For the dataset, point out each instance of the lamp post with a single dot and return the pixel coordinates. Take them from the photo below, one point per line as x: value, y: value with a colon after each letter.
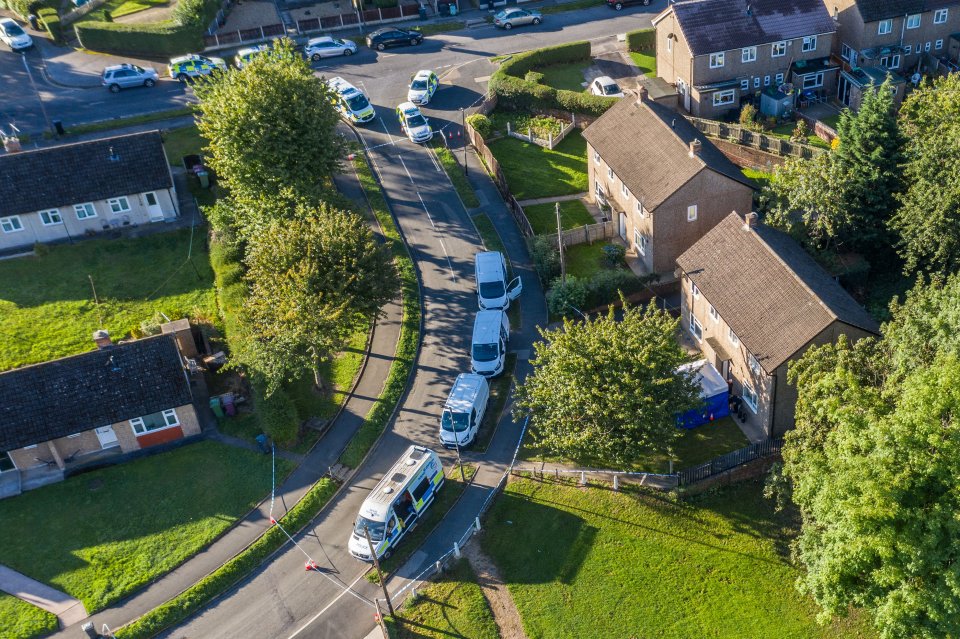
x: 463, y: 126
x: 563, y: 266
x: 376, y: 563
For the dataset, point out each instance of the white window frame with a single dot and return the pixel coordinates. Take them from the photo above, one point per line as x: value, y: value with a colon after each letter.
x: 750, y: 398
x: 809, y: 44
x: 938, y: 45
x: 624, y: 191
x: 118, y: 204
x: 640, y: 210
x: 717, y: 60
x: 720, y: 98
x: 695, y: 291
x: 169, y: 415
x: 74, y: 435
x: 885, y: 26
x: 596, y: 157
x: 913, y: 21
x: 778, y: 49
x: 817, y: 81
x: 640, y: 242
x: 47, y: 217
x: 754, y: 364
x: 940, y: 16
x: 732, y: 337
x: 779, y: 79
x: 669, y: 44
x: 908, y: 49
x: 696, y: 328
x: 890, y: 61
x: 845, y: 51
x: 11, y: 224
x: 745, y: 84
x: 610, y: 173
x: 87, y: 209
x: 714, y: 315
x: 692, y: 213
x: 748, y: 54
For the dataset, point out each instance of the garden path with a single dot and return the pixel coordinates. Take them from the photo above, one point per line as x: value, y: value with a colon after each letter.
x: 67, y: 609
x: 504, y: 609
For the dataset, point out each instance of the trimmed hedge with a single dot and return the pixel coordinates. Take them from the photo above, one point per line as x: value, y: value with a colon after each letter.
x: 183, y: 34
x: 481, y: 124
x: 642, y: 40
x: 51, y: 22
x: 277, y: 414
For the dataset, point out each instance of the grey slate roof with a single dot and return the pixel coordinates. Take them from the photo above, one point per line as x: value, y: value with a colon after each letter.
x: 874, y: 10
x: 773, y: 295
x: 710, y: 26
x: 82, y: 172
x: 102, y: 387
x: 647, y: 146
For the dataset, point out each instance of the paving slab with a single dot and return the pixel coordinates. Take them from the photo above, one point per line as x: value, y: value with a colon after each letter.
x: 67, y: 609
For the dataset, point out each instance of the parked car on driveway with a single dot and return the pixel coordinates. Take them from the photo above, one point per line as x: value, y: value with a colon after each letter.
x: 124, y: 76
x: 620, y: 4
x: 422, y: 87
x: 392, y: 37
x: 605, y: 86
x: 510, y: 18
x: 327, y: 47
x: 244, y: 56
x: 414, y: 125
x: 13, y: 35
x: 193, y: 66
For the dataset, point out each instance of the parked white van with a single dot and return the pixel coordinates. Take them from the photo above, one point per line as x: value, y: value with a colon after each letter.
x: 491, y: 332
x: 463, y: 411
x: 493, y: 292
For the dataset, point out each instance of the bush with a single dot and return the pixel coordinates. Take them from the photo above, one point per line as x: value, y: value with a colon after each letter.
x: 748, y: 118
x: 158, y: 38
x: 51, y: 22
x: 605, y: 287
x: 24, y: 8
x: 561, y: 297
x: 614, y: 254
x: 642, y: 40
x: 546, y: 257
x: 800, y: 132
x: 533, y: 76
x: 277, y: 414
x: 481, y: 124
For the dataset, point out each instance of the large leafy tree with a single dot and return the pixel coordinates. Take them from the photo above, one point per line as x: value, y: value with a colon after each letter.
x: 928, y: 221
x: 270, y: 126
x: 608, y: 392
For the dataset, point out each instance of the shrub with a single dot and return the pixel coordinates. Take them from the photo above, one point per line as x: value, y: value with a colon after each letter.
x: 51, y: 22
x: 159, y: 38
x: 561, y: 297
x: 107, y: 16
x: 614, y: 254
x: 24, y: 8
x: 533, y: 76
x: 277, y: 414
x: 748, y: 117
x: 800, y: 132
x: 481, y: 124
x: 642, y: 40
x: 546, y: 257
x: 605, y: 287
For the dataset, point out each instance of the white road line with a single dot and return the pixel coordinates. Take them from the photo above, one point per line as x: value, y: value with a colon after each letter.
x: 329, y: 605
x: 433, y: 158
x: 385, y: 130
x: 453, y: 275
x: 408, y: 173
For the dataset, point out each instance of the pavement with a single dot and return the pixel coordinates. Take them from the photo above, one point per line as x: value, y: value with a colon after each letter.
x: 67, y: 609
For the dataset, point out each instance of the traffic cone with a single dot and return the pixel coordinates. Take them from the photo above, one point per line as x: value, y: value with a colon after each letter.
x: 311, y: 565
x: 273, y: 521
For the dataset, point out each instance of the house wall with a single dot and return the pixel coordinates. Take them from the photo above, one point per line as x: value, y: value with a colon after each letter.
x: 674, y: 65
x: 35, y: 231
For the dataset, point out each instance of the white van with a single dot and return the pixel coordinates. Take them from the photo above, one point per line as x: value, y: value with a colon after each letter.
x: 463, y: 410
x: 488, y: 349
x: 396, y: 504
x: 493, y: 292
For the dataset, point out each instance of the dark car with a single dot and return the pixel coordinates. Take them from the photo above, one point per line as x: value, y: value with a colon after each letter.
x: 383, y: 38
x: 620, y: 4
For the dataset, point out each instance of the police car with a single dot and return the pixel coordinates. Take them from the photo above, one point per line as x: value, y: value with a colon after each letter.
x: 244, y: 56
x: 350, y: 101
x: 190, y: 67
x: 413, y: 123
x: 422, y: 86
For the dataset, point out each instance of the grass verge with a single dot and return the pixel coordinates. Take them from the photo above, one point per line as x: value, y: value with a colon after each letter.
x: 646, y: 62
x: 456, y: 175
x: 499, y: 391
x: 21, y: 620
x: 117, y: 123
x: 543, y: 217
x: 534, y: 172
x: 567, y: 77
x: 493, y: 242
x: 181, y: 141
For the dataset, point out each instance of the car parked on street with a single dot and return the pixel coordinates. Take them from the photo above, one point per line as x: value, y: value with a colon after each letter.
x: 350, y: 101
x: 393, y: 37
x: 422, y: 86
x: 620, y: 4
x: 414, y: 124
x: 327, y: 47
x: 13, y: 35
x: 605, y: 86
x: 244, y: 56
x: 193, y: 66
x: 510, y: 18
x: 125, y: 76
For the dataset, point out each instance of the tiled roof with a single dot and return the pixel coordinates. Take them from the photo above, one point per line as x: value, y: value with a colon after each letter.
x: 710, y: 26
x: 82, y: 172
x: 102, y: 387
x: 873, y: 10
x: 647, y: 146
x: 770, y: 292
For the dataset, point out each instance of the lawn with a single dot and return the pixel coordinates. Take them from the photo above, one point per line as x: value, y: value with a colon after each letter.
x: 451, y: 607
x: 48, y: 309
x: 182, y: 141
x: 120, y: 8
x: 646, y: 62
x: 760, y: 177
x: 564, y: 76
x: 543, y: 217
x: 585, y: 260
x: 20, y: 620
x: 102, y: 535
x: 785, y: 130
x: 595, y: 563
x: 338, y: 373
x: 534, y: 172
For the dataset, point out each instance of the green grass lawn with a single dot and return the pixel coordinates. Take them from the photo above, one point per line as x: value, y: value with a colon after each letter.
x: 595, y: 563
x: 338, y: 373
x: 785, y: 130
x: 499, y: 392
x: 102, y: 535
x: 575, y: 5
x: 47, y: 307
x: 534, y: 172
x: 182, y: 141
x: 831, y: 121
x: 20, y: 620
x: 120, y: 8
x: 452, y: 607
x: 543, y: 217
x: 564, y: 76
x: 585, y: 260
x: 762, y: 178
x: 647, y: 63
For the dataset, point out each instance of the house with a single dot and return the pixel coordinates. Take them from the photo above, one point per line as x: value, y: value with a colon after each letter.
x: 720, y: 53
x: 666, y: 183
x: 62, y: 192
x: 878, y: 38
x: 754, y: 301
x: 116, y: 399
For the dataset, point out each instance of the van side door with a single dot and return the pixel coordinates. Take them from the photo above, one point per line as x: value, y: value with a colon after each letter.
x: 514, y: 288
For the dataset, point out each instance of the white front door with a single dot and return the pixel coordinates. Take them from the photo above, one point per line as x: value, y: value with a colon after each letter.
x: 154, y: 211
x: 108, y: 438
x: 623, y: 226
x: 682, y: 90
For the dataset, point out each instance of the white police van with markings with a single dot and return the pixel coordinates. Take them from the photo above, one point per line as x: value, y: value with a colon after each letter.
x: 350, y: 101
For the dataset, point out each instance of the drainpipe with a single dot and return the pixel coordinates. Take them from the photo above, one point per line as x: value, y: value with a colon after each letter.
x: 773, y: 405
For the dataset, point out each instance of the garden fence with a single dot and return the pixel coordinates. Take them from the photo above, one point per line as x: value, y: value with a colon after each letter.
x: 586, y: 234
x: 724, y: 463
x: 551, y: 139
x: 243, y: 36
x: 78, y: 12
x: 369, y: 16
x: 740, y: 135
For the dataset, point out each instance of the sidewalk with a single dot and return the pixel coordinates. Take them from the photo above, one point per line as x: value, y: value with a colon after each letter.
x: 67, y: 609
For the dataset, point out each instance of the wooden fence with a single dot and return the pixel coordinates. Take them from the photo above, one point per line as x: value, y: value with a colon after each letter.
x: 586, y: 234
x: 370, y: 16
x: 242, y: 36
x: 724, y: 463
x: 762, y: 141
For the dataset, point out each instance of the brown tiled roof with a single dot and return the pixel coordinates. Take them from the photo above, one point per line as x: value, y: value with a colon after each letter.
x: 647, y: 146
x: 773, y: 295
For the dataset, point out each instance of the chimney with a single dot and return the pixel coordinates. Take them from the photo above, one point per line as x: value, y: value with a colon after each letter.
x: 750, y: 222
x: 641, y: 95
x: 695, y: 147
x: 102, y: 339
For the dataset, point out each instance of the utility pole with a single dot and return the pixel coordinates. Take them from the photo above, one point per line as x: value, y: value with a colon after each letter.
x: 376, y: 563
x: 43, y: 108
x: 463, y: 126
x: 563, y: 266
x: 456, y: 441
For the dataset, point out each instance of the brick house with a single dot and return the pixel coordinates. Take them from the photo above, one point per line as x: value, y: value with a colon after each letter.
x: 880, y: 38
x: 116, y: 399
x: 719, y: 53
x: 666, y: 183
x: 62, y: 192
x: 754, y: 301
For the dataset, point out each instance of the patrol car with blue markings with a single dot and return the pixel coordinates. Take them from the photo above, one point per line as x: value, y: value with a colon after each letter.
x: 350, y: 101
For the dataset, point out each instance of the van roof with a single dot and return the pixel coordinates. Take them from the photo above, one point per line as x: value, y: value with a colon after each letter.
x: 486, y: 327
x: 490, y: 263
x: 376, y: 505
x: 464, y: 393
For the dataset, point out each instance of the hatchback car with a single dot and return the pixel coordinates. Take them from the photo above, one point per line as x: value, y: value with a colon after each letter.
x: 605, y: 86
x: 327, y: 47
x: 414, y: 125
x: 244, y: 56
x: 620, y: 4
x: 124, y: 76
x: 383, y: 38
x: 422, y: 86
x: 193, y: 66
x: 510, y: 18
x: 14, y: 36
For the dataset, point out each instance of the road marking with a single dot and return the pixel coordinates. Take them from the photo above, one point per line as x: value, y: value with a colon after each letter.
x: 329, y: 605
x: 433, y: 158
x: 385, y: 130
x: 408, y: 173
x: 453, y: 275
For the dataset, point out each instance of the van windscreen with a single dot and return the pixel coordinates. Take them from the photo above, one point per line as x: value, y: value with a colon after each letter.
x: 491, y: 290
x: 375, y: 528
x: 485, y: 352
x: 451, y: 421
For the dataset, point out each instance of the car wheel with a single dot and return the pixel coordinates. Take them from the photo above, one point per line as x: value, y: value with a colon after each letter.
x: 381, y: 47
x: 114, y: 88
x: 618, y: 6
x: 507, y: 26
x: 149, y: 82
x: 183, y: 77
x: 414, y: 42
x: 315, y: 57
x: 536, y: 20
x: 387, y: 554
x: 348, y: 52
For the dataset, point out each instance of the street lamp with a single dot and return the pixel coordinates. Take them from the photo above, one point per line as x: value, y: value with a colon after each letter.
x: 463, y: 126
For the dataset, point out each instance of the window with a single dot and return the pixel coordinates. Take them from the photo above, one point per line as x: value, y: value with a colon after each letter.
x: 624, y: 190
x: 885, y: 26
x: 6, y: 463
x: 723, y: 97
x: 640, y: 242
x: 926, y: 48
x: 695, y: 291
x: 640, y: 210
x: 756, y: 82
x: 907, y: 50
x: 609, y: 173
x: 754, y: 364
x: 778, y: 49
x: 745, y: 84
x: 74, y: 435
x: 748, y: 54
x: 714, y: 315
x: 813, y: 81
x: 732, y: 337
x: 716, y: 60
x: 779, y: 79
x: 596, y: 158
x: 913, y: 22
x: 85, y: 211
x: 11, y: 224
x: 51, y: 217
x: 938, y: 45
x: 940, y: 16
x: 695, y: 329
x: 119, y: 205
x: 766, y: 80
x: 845, y: 51
x: 669, y: 44
x: 890, y: 61
x: 691, y: 213
x: 156, y: 421
x: 750, y: 397
x: 601, y: 194
x: 809, y: 43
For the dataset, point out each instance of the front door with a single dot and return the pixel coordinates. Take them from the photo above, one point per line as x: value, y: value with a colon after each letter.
x: 682, y: 90
x: 154, y: 211
x: 843, y: 91
x: 623, y: 226
x: 108, y: 438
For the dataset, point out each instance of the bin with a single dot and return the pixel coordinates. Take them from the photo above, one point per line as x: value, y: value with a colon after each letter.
x: 34, y: 21
x: 453, y: 9
x: 215, y: 407
x: 204, y: 178
x: 423, y: 12
x: 228, y: 404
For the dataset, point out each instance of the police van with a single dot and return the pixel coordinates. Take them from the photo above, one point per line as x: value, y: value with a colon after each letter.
x: 488, y: 348
x: 350, y: 101
x: 463, y: 411
x: 397, y: 503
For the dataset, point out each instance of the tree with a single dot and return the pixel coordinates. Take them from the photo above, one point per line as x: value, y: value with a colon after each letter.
x: 928, y: 221
x: 608, y: 392
x: 270, y: 126
x: 312, y: 278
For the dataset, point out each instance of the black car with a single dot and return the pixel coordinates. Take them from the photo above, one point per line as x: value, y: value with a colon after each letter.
x: 383, y: 38
x: 620, y: 4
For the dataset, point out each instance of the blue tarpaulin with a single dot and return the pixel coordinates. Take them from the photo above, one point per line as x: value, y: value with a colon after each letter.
x: 713, y: 392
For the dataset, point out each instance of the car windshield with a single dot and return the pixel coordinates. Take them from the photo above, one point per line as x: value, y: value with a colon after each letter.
x: 485, y: 352
x: 375, y: 527
x: 491, y: 290
x: 610, y: 89
x: 502, y: 14
x: 451, y: 422
x: 419, y: 85
x: 13, y: 30
x: 358, y: 102
x: 339, y: 42
x: 416, y: 121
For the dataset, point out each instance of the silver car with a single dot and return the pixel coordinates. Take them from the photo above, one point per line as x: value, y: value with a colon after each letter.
x: 327, y: 47
x: 510, y: 18
x: 123, y: 76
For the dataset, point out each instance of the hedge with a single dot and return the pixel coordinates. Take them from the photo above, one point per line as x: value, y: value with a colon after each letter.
x: 24, y: 8
x: 276, y: 413
x: 183, y: 34
x: 51, y: 22
x: 642, y: 40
